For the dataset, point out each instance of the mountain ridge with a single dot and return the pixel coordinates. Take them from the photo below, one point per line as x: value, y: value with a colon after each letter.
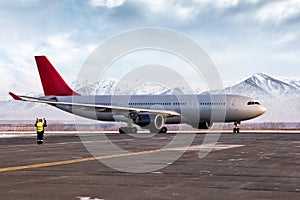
x: 265, y: 84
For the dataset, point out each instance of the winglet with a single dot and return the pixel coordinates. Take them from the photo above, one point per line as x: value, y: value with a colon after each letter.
x: 16, y: 97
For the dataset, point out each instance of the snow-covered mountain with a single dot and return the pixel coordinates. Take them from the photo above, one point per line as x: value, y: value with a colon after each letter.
x: 18, y: 110
x: 294, y: 83
x: 280, y: 96
x: 113, y: 86
x: 106, y: 86
x: 261, y: 85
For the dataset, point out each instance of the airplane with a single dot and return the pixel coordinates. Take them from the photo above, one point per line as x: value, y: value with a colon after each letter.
x: 150, y: 112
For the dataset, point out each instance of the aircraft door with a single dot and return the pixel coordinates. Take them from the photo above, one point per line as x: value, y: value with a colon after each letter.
x: 233, y: 103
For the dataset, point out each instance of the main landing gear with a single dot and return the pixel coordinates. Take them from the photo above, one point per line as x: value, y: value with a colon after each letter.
x: 127, y: 129
x: 133, y: 117
x: 162, y: 130
x: 236, y: 128
x: 132, y: 129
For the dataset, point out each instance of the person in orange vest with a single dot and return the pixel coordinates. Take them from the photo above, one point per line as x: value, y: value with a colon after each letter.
x: 40, y: 125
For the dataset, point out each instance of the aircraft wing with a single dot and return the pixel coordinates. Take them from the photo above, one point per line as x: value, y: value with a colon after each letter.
x: 93, y: 106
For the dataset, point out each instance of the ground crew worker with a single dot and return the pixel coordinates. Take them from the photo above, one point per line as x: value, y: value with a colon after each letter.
x: 40, y: 125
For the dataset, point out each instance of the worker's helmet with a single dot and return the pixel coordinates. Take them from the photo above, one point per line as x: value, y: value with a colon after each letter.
x: 40, y: 120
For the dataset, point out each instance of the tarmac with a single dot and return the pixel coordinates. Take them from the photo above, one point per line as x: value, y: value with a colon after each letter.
x: 249, y: 165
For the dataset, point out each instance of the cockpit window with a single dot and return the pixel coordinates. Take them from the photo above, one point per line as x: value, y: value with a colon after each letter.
x: 253, y: 103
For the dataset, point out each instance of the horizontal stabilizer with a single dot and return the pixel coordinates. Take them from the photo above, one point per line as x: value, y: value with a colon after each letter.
x: 16, y: 97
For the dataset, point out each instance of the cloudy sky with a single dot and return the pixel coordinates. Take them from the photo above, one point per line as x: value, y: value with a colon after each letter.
x: 242, y: 37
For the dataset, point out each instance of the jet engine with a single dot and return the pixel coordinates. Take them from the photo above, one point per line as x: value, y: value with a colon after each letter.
x: 150, y: 121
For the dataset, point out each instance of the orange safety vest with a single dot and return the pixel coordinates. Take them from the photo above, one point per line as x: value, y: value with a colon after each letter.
x: 39, y: 127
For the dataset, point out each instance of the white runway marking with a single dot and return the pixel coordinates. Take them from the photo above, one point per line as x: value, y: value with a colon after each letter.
x: 217, y: 147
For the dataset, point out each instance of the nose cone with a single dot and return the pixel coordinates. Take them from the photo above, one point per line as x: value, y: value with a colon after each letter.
x: 261, y: 110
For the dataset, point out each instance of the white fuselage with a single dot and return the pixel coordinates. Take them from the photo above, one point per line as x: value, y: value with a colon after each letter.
x: 202, y: 107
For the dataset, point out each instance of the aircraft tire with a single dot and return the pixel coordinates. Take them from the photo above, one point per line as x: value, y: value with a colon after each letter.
x: 236, y: 130
x: 133, y: 130
x: 163, y: 130
x: 122, y: 131
x: 127, y: 130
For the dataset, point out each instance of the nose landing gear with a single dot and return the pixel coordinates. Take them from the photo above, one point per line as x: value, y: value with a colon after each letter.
x: 236, y: 128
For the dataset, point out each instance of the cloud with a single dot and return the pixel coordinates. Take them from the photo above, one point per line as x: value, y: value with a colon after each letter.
x: 241, y: 35
x: 19, y: 70
x: 106, y: 3
x: 279, y: 11
x: 165, y: 7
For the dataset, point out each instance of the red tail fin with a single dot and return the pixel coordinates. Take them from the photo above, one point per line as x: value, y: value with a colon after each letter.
x: 53, y: 83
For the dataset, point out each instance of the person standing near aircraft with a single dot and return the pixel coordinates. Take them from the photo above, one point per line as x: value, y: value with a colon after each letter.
x: 40, y: 125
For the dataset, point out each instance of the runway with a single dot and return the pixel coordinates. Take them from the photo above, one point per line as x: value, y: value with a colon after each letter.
x: 246, y: 166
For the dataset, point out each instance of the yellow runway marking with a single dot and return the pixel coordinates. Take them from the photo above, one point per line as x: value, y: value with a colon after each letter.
x: 7, y: 169
x: 66, y: 162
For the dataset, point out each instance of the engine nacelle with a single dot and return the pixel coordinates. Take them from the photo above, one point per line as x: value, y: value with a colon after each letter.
x: 150, y: 121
